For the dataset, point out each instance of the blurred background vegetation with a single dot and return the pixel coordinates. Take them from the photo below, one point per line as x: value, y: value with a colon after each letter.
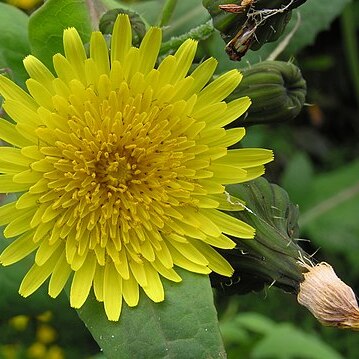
x: 317, y: 163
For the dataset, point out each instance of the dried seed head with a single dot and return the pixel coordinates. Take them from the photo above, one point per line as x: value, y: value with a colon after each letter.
x: 329, y: 299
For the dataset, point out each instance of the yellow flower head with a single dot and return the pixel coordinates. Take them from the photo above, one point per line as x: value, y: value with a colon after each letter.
x: 122, y: 165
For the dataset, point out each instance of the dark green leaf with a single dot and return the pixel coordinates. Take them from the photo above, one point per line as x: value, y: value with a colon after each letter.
x: 183, y: 326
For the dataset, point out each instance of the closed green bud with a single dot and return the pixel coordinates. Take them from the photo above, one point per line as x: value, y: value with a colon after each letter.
x: 138, y: 26
x: 277, y: 90
x: 272, y: 257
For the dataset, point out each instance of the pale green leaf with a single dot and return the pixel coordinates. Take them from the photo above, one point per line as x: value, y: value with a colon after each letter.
x: 47, y: 24
x: 14, y: 43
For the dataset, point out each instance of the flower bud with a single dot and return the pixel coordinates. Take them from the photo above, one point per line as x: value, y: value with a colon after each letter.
x: 277, y: 90
x: 138, y: 26
x: 329, y: 299
x: 271, y: 258
x: 274, y: 257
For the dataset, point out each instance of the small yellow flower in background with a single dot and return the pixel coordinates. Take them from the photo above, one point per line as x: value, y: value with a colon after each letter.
x: 55, y: 352
x: 19, y: 322
x: 9, y: 351
x: 123, y: 168
x: 24, y: 4
x: 36, y: 351
x: 45, y: 316
x: 45, y: 334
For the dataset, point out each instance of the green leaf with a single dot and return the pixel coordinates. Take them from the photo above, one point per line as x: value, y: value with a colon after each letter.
x: 263, y: 338
x: 47, y: 24
x: 298, y: 176
x: 183, y: 326
x: 255, y: 322
x: 330, y: 212
x: 284, y: 341
x: 13, y: 40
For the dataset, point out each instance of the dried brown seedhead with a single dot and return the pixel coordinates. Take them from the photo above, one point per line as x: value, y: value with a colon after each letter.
x: 329, y: 299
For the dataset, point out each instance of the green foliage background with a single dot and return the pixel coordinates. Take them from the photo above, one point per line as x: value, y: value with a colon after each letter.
x: 316, y: 162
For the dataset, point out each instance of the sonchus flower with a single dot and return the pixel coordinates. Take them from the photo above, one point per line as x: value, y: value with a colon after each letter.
x: 121, y: 168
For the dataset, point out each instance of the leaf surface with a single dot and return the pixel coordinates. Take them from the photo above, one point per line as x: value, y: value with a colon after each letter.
x: 183, y: 326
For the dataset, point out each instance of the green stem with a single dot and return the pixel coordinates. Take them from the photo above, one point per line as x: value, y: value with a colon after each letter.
x: 350, y: 45
x: 167, y: 12
x: 198, y: 33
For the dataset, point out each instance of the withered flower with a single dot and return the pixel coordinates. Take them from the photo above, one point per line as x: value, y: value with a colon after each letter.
x: 329, y: 299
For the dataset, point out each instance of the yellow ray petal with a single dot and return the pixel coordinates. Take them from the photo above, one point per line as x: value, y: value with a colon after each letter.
x: 202, y: 74
x: 122, y: 266
x: 9, y: 134
x: 99, y: 52
x: 219, y: 89
x: 221, y: 241
x: 20, y: 224
x: 63, y: 68
x: 216, y: 262
x: 184, y: 56
x: 149, y: 49
x: 247, y: 157
x: 60, y: 276
x: 130, y: 291
x: 7, y: 185
x: 20, y: 113
x: 138, y: 272
x: 188, y: 251
x: 40, y: 93
x: 228, y: 202
x: 98, y: 282
x: 154, y: 288
x: 75, y: 51
x: 112, y: 292
x: 121, y: 40
x: 252, y: 173
x: 227, y: 174
x: 230, y: 225
x: 9, y: 89
x: 18, y: 249
x: 38, y: 71
x: 180, y: 260
x: 37, y: 275
x: 14, y: 155
x: 8, y: 213
x: 168, y: 273
x: 45, y: 251
x: 82, y: 282
x: 231, y: 137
